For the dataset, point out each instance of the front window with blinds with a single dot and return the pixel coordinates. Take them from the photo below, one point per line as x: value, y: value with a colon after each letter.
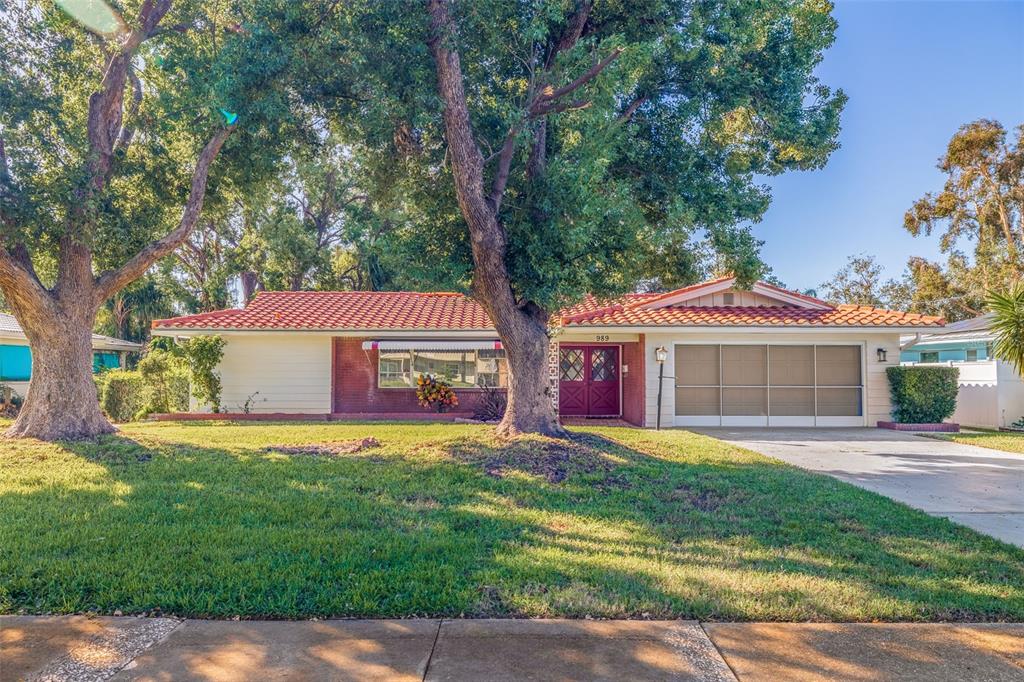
x: 460, y: 368
x: 764, y: 381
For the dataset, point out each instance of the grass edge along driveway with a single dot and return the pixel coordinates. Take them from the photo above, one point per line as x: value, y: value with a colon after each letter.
x: 1006, y: 441
x: 216, y: 520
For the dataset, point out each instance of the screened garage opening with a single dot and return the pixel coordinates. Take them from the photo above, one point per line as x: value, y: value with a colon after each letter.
x: 769, y: 385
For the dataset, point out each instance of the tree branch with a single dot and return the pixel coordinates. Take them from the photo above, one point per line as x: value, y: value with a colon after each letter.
x: 627, y: 115
x: 20, y: 285
x: 112, y: 281
x: 590, y: 74
x: 128, y: 131
x: 504, y: 168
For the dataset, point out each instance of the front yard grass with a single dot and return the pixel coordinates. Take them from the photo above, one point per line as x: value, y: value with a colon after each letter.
x: 206, y: 519
x: 996, y: 440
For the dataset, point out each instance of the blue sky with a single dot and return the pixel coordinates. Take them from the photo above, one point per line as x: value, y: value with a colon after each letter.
x: 914, y: 73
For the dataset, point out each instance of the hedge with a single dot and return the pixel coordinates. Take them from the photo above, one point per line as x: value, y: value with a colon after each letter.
x: 123, y: 394
x: 923, y: 395
x: 162, y: 385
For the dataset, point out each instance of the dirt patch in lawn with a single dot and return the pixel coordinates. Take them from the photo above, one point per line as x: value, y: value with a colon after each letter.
x: 704, y: 499
x: 330, y: 449
x: 553, y: 459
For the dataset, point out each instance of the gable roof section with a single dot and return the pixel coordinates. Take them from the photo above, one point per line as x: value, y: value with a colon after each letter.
x: 680, y: 297
x: 445, y: 312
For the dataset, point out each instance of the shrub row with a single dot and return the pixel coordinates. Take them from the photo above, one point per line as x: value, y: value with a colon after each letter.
x: 160, y: 384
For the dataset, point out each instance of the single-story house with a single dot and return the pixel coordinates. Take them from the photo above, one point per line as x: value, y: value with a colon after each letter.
x: 991, y: 391
x: 16, y: 356
x: 758, y: 357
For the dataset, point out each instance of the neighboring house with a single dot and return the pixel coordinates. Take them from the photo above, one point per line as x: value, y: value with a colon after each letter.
x: 16, y: 357
x: 991, y: 391
x: 761, y: 357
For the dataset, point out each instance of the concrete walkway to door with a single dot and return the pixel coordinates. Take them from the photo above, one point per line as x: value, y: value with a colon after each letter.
x: 977, y: 487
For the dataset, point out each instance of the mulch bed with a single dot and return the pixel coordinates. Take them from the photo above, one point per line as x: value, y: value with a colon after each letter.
x: 555, y: 460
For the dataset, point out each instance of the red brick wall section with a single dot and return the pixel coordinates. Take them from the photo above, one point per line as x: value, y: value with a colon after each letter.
x: 633, y: 394
x: 355, y: 385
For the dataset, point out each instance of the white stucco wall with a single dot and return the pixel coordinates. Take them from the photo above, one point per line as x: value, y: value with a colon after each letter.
x: 291, y: 372
x: 876, y: 384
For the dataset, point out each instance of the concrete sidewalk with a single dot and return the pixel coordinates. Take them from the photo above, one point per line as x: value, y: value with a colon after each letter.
x: 80, y: 648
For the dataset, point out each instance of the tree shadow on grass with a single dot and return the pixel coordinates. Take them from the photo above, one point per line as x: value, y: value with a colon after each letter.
x: 470, y: 526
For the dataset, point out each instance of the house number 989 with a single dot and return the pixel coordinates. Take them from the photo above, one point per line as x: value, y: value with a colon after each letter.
x: 601, y: 337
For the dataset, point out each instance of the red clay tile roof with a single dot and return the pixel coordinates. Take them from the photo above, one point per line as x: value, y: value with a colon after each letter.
x: 721, y: 316
x: 312, y: 310
x: 356, y: 310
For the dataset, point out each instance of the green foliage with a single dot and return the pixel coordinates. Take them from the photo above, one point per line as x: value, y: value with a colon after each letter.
x: 981, y: 204
x: 123, y: 395
x: 167, y: 380
x: 1007, y: 308
x: 203, y: 354
x: 49, y: 64
x: 923, y: 395
x: 859, y: 282
x: 722, y: 93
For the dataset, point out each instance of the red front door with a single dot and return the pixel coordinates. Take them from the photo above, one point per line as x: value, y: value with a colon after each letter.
x: 588, y: 380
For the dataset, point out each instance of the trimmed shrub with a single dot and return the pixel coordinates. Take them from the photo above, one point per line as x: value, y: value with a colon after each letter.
x: 166, y: 376
x: 923, y: 395
x: 124, y: 394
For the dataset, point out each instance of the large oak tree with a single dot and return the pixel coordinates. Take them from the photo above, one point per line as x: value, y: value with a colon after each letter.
x: 546, y: 150
x: 110, y: 125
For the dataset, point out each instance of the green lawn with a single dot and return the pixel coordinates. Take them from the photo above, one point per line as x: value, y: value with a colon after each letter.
x: 201, y: 520
x: 997, y: 440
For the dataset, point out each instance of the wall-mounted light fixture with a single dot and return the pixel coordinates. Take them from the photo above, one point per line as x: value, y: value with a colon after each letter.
x: 660, y: 356
x: 882, y: 353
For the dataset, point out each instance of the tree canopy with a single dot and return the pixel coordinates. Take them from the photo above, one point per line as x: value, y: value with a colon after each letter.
x: 653, y: 159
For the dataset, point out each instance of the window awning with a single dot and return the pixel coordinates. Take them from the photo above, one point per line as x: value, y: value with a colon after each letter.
x: 414, y: 344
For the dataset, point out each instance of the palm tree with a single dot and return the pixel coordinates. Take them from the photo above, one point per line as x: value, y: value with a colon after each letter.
x: 1008, y: 324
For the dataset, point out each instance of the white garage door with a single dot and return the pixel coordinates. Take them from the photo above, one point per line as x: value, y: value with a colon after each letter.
x: 769, y: 385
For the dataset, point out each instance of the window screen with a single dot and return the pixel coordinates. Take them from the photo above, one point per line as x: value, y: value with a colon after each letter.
x: 838, y: 365
x: 697, y: 366
x: 792, y: 365
x: 759, y: 380
x: 744, y: 365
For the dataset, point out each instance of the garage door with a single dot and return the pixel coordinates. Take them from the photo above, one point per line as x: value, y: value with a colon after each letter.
x: 769, y: 385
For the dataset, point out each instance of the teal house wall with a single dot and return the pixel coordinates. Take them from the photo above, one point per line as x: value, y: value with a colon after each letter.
x: 16, y: 362
x: 948, y: 352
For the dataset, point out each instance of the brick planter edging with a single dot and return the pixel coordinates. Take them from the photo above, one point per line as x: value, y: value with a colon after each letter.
x: 930, y: 428
x: 316, y: 416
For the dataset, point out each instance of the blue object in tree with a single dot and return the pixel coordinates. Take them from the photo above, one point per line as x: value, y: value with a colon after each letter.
x: 229, y: 117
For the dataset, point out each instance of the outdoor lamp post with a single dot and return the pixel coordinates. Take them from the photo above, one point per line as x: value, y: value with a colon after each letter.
x: 660, y: 356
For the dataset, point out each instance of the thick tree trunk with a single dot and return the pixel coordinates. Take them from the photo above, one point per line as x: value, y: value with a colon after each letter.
x: 521, y: 325
x: 61, y: 401
x: 530, y: 408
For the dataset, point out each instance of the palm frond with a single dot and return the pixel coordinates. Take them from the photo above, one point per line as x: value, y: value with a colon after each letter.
x: 1008, y: 324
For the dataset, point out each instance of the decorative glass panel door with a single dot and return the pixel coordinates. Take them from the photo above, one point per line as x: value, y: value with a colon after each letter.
x: 588, y: 380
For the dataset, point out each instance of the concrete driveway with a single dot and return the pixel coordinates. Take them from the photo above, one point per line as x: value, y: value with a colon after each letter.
x: 977, y: 487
